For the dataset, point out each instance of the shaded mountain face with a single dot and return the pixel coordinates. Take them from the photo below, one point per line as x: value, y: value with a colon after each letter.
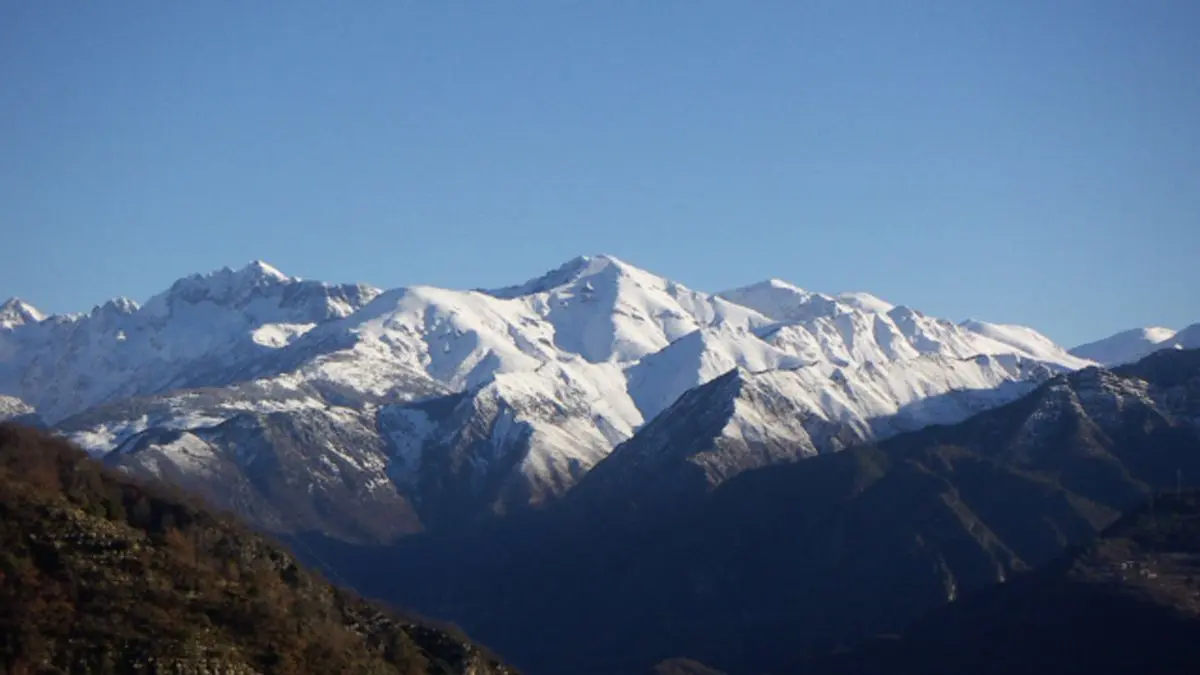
x: 286, y: 472
x: 1128, y: 603
x: 683, y: 667
x: 464, y: 405
x: 801, y: 557
x: 742, y: 421
x: 99, y: 574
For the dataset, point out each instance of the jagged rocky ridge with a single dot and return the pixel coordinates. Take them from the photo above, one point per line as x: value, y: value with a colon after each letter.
x: 464, y: 404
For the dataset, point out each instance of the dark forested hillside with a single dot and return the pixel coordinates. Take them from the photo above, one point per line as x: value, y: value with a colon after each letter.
x: 1130, y: 603
x: 787, y: 562
x: 99, y: 574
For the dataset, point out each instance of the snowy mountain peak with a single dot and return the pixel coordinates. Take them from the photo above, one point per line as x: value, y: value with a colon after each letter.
x: 776, y: 299
x: 1025, y: 340
x: 1132, y: 345
x: 788, y: 303
x: 866, y: 302
x: 779, y: 284
x: 16, y: 312
x: 568, y: 274
x: 256, y: 273
x: 483, y: 401
x: 116, y: 307
x: 262, y: 270
x: 223, y: 287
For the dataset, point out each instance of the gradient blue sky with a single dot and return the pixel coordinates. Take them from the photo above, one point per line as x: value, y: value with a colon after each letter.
x: 1032, y: 161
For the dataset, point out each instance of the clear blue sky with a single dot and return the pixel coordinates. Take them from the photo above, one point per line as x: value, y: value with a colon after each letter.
x: 1018, y: 161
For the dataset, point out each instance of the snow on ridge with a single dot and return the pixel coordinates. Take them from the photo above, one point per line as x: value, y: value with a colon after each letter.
x: 657, y: 380
x: 1127, y: 346
x: 1026, y: 340
x: 529, y: 385
x: 202, y: 327
x: 660, y: 337
x: 598, y: 308
x: 16, y: 312
x: 741, y: 420
x: 1158, y: 333
x: 261, y: 268
x: 776, y: 299
x: 865, y: 302
x: 562, y: 275
x: 14, y: 408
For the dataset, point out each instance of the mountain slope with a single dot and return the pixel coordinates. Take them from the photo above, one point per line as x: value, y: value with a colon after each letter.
x: 197, y: 333
x: 858, y: 327
x: 1126, y: 346
x: 468, y: 404
x: 742, y: 421
x: 1188, y: 338
x: 1128, y: 603
x: 804, y: 556
x: 605, y: 309
x: 99, y: 574
x: 518, y: 440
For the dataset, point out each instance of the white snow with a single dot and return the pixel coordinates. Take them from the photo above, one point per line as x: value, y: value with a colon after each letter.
x: 1130, y: 345
x: 660, y: 378
x: 16, y: 312
x: 279, y: 334
x: 878, y: 400
x: 12, y: 407
x: 1025, y: 341
x: 786, y: 415
x: 865, y: 302
x: 101, y: 439
x: 559, y: 369
x: 199, y: 329
x: 779, y: 300
x: 188, y: 453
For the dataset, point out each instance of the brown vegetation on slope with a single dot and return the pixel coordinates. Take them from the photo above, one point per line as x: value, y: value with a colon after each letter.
x: 101, y: 574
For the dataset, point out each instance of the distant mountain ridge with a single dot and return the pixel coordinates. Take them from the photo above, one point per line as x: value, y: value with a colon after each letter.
x: 794, y: 559
x: 1132, y: 345
x: 468, y: 404
x: 198, y: 332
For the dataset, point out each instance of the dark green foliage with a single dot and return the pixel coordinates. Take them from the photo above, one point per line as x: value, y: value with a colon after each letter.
x: 100, y: 574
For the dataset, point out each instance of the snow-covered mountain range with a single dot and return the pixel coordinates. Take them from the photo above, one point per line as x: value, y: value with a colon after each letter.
x: 199, y: 332
x: 282, y: 397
